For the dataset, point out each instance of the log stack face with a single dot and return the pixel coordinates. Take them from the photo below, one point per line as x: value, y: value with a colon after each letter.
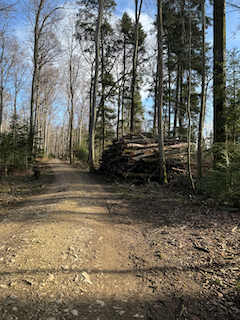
x: 137, y: 155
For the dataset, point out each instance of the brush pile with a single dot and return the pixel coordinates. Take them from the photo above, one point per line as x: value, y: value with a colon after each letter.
x: 137, y: 156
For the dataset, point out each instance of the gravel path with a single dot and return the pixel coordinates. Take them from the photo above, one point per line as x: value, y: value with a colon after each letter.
x: 61, y: 256
x: 84, y: 251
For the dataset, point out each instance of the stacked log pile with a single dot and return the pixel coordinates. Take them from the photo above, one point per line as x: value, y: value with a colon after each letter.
x: 137, y: 155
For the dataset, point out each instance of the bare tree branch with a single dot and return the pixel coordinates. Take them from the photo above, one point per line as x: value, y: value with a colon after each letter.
x: 233, y: 5
x: 10, y: 6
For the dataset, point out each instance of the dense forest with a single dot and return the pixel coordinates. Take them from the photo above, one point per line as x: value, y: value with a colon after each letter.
x: 73, y: 76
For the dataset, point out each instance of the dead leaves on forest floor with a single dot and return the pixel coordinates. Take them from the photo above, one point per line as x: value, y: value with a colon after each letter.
x: 181, y: 250
x: 20, y: 186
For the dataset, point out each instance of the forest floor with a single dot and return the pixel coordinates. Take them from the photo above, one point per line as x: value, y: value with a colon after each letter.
x: 76, y: 247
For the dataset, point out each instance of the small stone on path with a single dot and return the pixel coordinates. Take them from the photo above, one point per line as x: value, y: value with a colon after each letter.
x: 86, y: 278
x: 50, y: 277
x: 12, y: 284
x: 121, y: 312
x: 102, y: 304
x: 74, y: 313
x: 76, y: 279
x: 59, y: 301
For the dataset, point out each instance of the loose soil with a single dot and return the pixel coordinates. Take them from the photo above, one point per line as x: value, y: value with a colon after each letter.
x: 82, y: 248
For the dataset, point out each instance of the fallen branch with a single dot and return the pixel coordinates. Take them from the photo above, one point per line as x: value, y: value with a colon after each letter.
x: 179, y: 170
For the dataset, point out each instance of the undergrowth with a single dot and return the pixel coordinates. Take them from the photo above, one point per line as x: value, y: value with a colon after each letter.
x: 221, y: 183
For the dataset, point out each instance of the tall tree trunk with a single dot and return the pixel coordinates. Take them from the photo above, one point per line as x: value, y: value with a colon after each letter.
x: 219, y: 74
x: 103, y: 128
x: 94, y: 100
x: 63, y: 138
x: 102, y: 104
x: 35, y: 76
x: 234, y: 105
x: 203, y: 94
x: 1, y: 87
x: 70, y: 147
x: 123, y: 82
x: 15, y: 125
x: 45, y: 128
x: 169, y: 96
x: 155, y: 103
x: 118, y: 112
x: 181, y: 102
x: 90, y: 110
x: 80, y: 127
x: 176, y: 102
x: 71, y: 98
x: 135, y: 52
x: 36, y: 118
x: 189, y: 100
x: 1, y: 108
x: 162, y: 166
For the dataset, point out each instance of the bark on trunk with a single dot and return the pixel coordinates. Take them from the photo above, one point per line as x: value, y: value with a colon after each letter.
x: 118, y: 112
x: 155, y: 103
x: 189, y: 100
x: 203, y: 94
x: 123, y: 83
x: 219, y: 74
x: 35, y: 76
x: 162, y: 167
x: 134, y: 76
x: 176, y: 103
x: 94, y: 102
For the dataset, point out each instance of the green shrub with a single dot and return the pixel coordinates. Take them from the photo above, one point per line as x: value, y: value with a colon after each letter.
x: 81, y: 153
x: 51, y: 156
x: 222, y: 182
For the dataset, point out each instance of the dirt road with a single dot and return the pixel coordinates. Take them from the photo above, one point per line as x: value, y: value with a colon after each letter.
x: 63, y: 256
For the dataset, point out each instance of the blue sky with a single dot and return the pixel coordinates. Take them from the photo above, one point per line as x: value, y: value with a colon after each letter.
x: 232, y: 22
x: 149, y: 6
x: 148, y: 12
x: 232, y: 33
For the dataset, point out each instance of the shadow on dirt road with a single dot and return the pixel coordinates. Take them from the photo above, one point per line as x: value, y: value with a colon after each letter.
x: 82, y: 251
